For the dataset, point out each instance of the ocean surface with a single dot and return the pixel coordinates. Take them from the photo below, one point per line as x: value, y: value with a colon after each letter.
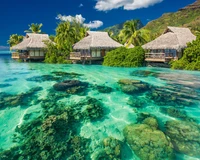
x: 103, y: 103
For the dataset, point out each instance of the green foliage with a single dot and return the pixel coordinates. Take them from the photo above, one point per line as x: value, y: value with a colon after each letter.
x: 54, y: 55
x: 14, y: 39
x: 131, y: 35
x: 67, y: 34
x: 191, y: 57
x: 115, y: 30
x: 123, y: 57
x: 34, y: 28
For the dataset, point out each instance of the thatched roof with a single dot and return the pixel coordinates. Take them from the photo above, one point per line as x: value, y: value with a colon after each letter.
x: 32, y: 40
x: 173, y: 38
x: 96, y: 40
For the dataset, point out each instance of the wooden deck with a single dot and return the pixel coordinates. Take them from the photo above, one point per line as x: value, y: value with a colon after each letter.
x: 78, y: 56
x: 157, y: 57
x: 16, y: 55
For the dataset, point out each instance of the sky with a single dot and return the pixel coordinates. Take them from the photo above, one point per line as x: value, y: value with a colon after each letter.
x: 16, y: 15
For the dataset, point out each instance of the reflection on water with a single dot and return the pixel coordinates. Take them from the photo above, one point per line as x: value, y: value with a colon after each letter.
x: 53, y: 111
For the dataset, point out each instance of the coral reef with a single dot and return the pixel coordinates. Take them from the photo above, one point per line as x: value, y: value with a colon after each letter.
x: 130, y: 86
x: 162, y: 96
x: 177, y: 113
x: 136, y: 102
x: 68, y: 84
x: 140, y: 73
x: 8, y: 100
x: 103, y: 89
x: 112, y: 148
x: 5, y: 85
x: 43, y: 78
x: 66, y: 74
x: 185, y: 136
x: 10, y: 80
x: 147, y: 142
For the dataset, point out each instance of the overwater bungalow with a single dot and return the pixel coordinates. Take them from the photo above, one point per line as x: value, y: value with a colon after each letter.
x: 169, y: 46
x: 31, y: 48
x: 93, y: 47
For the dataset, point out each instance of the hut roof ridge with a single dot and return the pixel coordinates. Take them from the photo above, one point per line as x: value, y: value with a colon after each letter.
x: 173, y: 38
x: 96, y: 39
x: 32, y: 40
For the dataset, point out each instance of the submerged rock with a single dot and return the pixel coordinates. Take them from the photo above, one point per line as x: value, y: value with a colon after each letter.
x: 177, y: 113
x: 147, y: 142
x: 139, y: 73
x: 103, y: 89
x: 10, y: 80
x: 5, y: 85
x: 43, y: 78
x: 162, y: 96
x: 67, y: 74
x: 136, y: 102
x: 185, y: 137
x: 68, y: 84
x: 8, y: 100
x: 133, y: 86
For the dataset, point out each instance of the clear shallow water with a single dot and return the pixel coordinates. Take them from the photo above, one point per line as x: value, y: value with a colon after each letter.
x: 118, y: 113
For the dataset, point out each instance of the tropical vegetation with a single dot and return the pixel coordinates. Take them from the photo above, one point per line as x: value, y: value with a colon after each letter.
x: 131, y: 35
x: 67, y: 34
x: 14, y: 39
x: 124, y: 57
x: 191, y: 57
x: 186, y: 17
x: 34, y: 28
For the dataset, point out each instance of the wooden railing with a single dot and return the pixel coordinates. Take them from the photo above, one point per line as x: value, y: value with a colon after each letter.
x: 157, y: 57
x: 15, y: 55
x: 78, y: 56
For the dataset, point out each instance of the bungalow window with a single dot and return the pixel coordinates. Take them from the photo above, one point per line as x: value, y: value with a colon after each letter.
x: 41, y: 53
x: 37, y: 53
x: 98, y: 53
x: 94, y: 53
x: 32, y: 53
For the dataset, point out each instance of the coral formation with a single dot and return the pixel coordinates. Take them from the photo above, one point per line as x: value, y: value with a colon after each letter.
x: 147, y: 141
x: 103, y: 89
x: 130, y: 86
x: 185, y: 136
x: 8, y: 100
x: 68, y: 84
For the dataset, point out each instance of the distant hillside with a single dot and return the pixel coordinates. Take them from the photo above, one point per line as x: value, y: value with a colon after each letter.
x: 118, y: 27
x: 188, y: 16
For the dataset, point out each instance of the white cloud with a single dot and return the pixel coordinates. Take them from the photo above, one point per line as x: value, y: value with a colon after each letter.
x: 105, y: 5
x: 4, y: 47
x: 79, y: 18
x: 81, y: 5
x: 94, y: 24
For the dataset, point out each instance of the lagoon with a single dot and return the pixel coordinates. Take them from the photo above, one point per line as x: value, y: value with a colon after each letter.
x: 100, y: 108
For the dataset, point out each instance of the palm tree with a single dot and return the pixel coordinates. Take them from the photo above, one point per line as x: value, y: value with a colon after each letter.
x: 34, y: 28
x: 131, y: 35
x: 14, y: 39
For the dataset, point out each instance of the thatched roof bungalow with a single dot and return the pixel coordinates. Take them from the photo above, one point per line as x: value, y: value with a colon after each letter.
x: 32, y: 47
x: 169, y: 45
x: 94, y: 46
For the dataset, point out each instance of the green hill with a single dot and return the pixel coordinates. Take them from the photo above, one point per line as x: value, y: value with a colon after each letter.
x: 118, y: 27
x: 188, y: 16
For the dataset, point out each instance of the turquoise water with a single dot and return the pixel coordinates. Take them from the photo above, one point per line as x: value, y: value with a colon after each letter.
x: 164, y: 89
